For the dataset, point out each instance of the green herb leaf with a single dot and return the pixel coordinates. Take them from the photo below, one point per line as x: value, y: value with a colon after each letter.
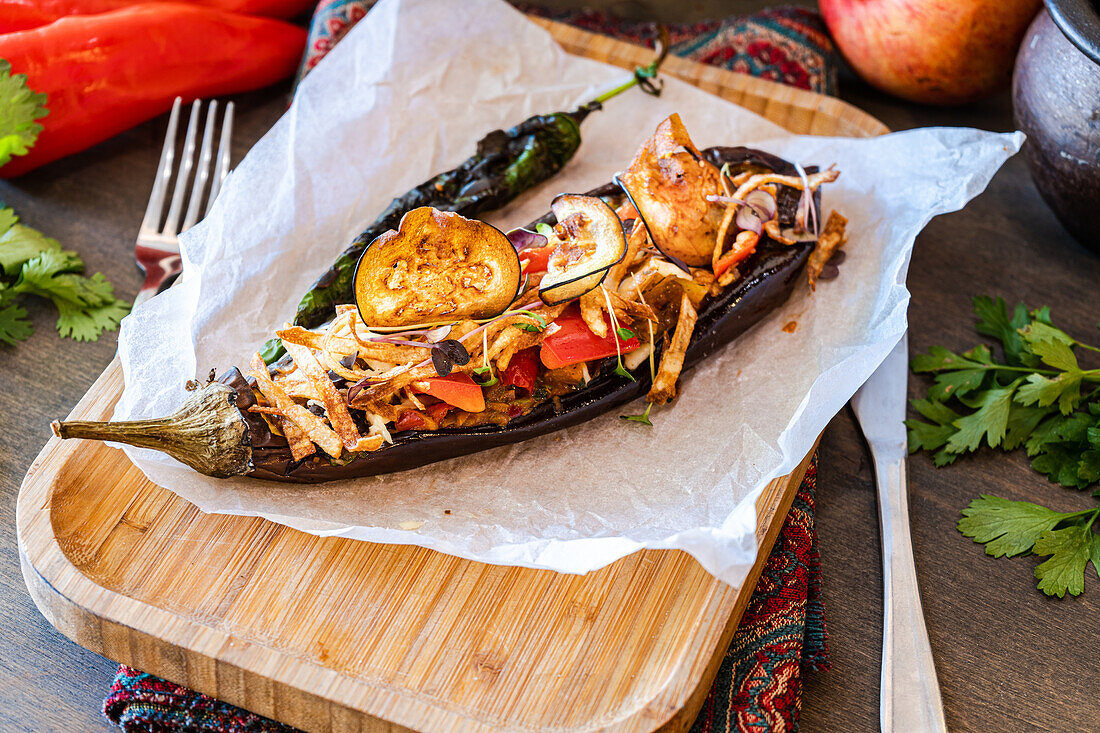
x: 643, y: 418
x: 990, y: 420
x: 1070, y: 549
x: 13, y: 324
x: 625, y: 333
x: 545, y: 230
x: 86, y: 305
x: 993, y: 320
x: 487, y: 370
x: 19, y: 109
x: 19, y: 243
x: 529, y: 327
x: 1007, y: 527
x: 622, y: 372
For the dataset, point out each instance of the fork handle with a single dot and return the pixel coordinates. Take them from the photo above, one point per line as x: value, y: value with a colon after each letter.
x: 156, y: 274
x: 909, y: 693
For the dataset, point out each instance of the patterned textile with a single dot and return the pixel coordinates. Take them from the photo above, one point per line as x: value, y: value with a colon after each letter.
x: 786, y: 45
x: 759, y: 685
x: 782, y: 634
x: 142, y: 703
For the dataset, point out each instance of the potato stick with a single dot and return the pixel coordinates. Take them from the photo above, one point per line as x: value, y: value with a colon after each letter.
x: 300, y: 444
x: 832, y: 238
x: 335, y: 406
x: 367, y: 443
x: 310, y: 424
x: 672, y: 360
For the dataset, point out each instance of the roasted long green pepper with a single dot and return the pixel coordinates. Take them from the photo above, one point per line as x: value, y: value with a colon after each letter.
x: 507, y: 163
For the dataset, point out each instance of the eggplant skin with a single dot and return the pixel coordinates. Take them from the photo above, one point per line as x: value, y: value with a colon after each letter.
x: 770, y: 275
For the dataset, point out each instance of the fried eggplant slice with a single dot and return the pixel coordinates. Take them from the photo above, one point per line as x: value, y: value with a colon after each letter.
x: 589, y: 241
x: 668, y: 182
x: 437, y: 265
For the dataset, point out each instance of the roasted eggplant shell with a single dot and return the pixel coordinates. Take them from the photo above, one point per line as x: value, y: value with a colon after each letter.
x: 769, y: 277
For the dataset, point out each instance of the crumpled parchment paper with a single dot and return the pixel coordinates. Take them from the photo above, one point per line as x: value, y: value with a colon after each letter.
x: 405, y: 95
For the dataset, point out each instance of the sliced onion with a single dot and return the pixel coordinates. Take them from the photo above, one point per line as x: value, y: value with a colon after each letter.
x: 437, y: 334
x: 763, y: 203
x: 523, y: 239
x: 749, y: 220
x: 806, y: 203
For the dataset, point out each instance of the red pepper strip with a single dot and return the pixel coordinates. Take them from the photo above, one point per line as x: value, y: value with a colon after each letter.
x: 409, y: 420
x: 735, y: 255
x: 538, y: 258
x: 573, y: 342
x: 103, y: 74
x: 523, y: 369
x: 438, y: 411
x: 21, y: 15
x: 458, y: 390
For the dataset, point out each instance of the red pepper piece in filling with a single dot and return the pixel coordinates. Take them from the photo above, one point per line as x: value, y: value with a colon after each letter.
x: 573, y: 342
x: 523, y: 369
x: 458, y: 390
x: 537, y: 258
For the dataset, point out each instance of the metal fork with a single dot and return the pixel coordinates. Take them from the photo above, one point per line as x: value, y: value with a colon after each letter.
x: 157, y: 249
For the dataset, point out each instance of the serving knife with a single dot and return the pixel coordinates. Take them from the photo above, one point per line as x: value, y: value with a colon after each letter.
x: 909, y: 693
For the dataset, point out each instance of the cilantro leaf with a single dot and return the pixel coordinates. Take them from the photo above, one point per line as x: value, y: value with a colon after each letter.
x: 7, y: 218
x: 1005, y: 527
x: 86, y: 305
x: 19, y: 108
x: 19, y: 243
x: 82, y: 323
x: 1070, y: 549
x: 13, y: 324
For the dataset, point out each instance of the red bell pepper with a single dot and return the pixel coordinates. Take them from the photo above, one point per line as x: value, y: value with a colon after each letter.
x: 458, y: 390
x: 522, y: 370
x: 103, y: 74
x: 21, y: 15
x: 573, y: 342
x: 410, y: 420
x: 537, y: 258
x: 735, y: 255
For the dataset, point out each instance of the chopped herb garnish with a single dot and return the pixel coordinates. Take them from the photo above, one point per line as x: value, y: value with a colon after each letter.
x: 446, y: 354
x: 622, y: 372
x: 625, y: 333
x: 643, y: 418
x: 487, y: 370
x: 529, y: 327
x: 545, y: 230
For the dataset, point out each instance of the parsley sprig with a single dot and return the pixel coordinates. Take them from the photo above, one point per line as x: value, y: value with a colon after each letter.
x: 34, y: 264
x: 1038, y: 397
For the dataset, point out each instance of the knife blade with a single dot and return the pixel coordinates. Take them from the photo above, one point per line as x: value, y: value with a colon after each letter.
x: 909, y: 692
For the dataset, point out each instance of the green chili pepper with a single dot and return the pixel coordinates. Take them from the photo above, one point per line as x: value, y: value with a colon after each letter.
x: 507, y: 163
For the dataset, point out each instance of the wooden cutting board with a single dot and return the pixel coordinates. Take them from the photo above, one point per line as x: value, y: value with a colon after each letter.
x: 334, y: 634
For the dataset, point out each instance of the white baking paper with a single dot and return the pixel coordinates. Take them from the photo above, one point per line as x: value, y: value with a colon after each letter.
x: 405, y: 95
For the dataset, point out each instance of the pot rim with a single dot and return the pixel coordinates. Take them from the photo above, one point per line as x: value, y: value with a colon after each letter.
x: 1079, y: 21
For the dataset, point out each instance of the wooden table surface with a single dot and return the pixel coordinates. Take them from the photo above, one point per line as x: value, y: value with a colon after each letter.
x: 1009, y: 659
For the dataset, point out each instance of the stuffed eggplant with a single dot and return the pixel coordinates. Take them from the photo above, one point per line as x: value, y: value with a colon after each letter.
x: 451, y: 348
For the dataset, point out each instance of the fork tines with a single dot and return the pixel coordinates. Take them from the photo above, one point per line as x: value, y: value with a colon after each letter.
x: 201, y: 168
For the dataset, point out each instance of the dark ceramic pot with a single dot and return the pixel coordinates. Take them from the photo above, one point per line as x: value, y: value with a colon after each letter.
x: 1056, y: 100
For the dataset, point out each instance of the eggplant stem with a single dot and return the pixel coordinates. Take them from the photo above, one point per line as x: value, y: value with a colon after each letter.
x: 208, y: 432
x: 642, y: 75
